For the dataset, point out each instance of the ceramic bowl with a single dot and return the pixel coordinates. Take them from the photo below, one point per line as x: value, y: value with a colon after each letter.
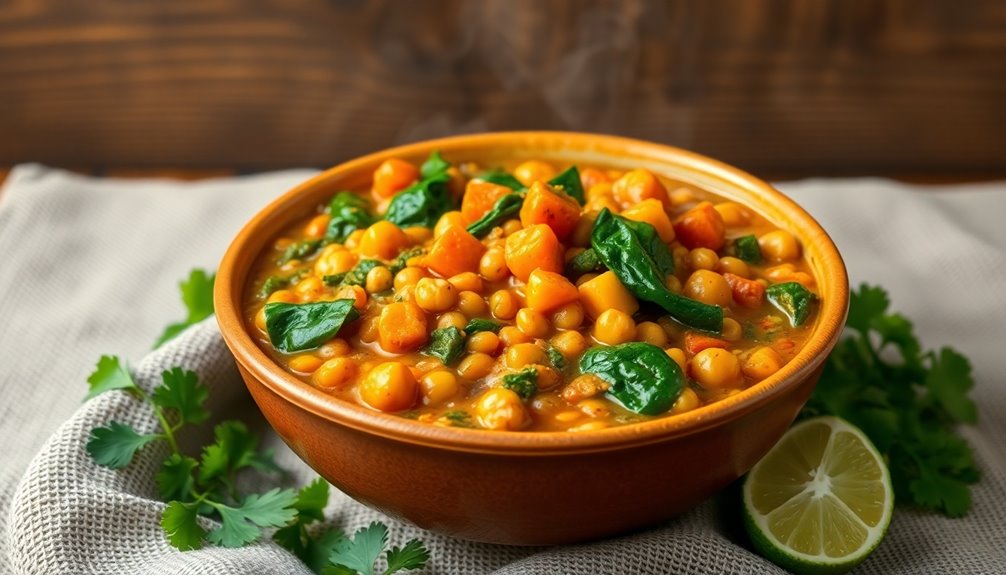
x: 522, y: 487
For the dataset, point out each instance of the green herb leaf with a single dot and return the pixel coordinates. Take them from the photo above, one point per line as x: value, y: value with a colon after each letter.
x: 634, y: 252
x: 505, y: 208
x: 174, y: 480
x: 296, y: 327
x: 792, y: 299
x: 524, y: 382
x: 866, y: 305
x: 181, y: 392
x: 277, y: 282
x: 478, y: 324
x: 569, y: 181
x: 422, y: 203
x: 434, y: 165
x: 110, y: 374
x: 242, y: 525
x: 747, y: 249
x: 401, y: 261
x: 446, y: 344
x: 354, y: 277
x: 115, y: 444
x: 197, y: 295
x: 413, y: 555
x: 556, y: 358
x: 298, y: 251
x: 501, y: 178
x: 360, y: 552
x: 310, y: 505
x: 585, y: 262
x: 347, y: 212
x: 319, y: 548
x: 180, y: 522
x: 233, y: 449
x: 459, y: 418
x: 643, y: 378
x: 949, y: 381
x: 312, y: 499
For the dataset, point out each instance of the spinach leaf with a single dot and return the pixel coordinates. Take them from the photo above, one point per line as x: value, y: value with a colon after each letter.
x: 354, y: 277
x: 633, y: 251
x: 747, y: 249
x: 504, y: 209
x: 298, y: 251
x: 556, y: 358
x: 348, y: 212
x: 402, y: 261
x: 569, y: 181
x: 501, y: 178
x: 583, y: 263
x: 478, y: 324
x: 276, y: 282
x: 299, y: 326
x: 422, y: 203
x: 433, y: 165
x: 643, y: 378
x: 524, y: 382
x: 446, y: 344
x: 792, y: 299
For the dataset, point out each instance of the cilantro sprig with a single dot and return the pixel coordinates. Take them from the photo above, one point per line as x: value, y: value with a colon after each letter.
x: 909, y: 401
x: 198, y: 489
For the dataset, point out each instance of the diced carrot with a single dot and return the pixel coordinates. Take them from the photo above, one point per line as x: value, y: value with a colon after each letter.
x: 534, y: 247
x: 748, y: 293
x: 639, y: 185
x: 393, y: 175
x: 701, y: 227
x: 480, y: 197
x: 652, y: 212
x: 543, y: 205
x: 547, y: 291
x: 454, y: 252
x: 696, y: 342
x: 402, y: 327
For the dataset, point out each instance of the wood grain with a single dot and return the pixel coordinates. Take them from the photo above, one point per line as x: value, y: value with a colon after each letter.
x: 802, y: 87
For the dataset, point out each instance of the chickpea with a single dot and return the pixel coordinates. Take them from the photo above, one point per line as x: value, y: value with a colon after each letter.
x: 522, y: 354
x: 305, y: 363
x: 379, y: 279
x: 284, y: 296
x: 393, y: 175
x: 779, y: 245
x: 591, y: 176
x: 734, y: 215
x: 584, y: 386
x: 438, y: 386
x: 762, y: 363
x: 504, y: 304
x: 682, y: 195
x: 732, y: 330
x: 511, y: 227
x: 483, y: 342
x: 449, y: 219
x: 652, y: 333
x: 417, y: 234
x: 570, y: 344
x: 598, y: 191
x: 435, y: 294
x: 260, y: 319
x: 390, y: 386
x: 409, y: 276
x: 585, y: 278
x: 309, y: 288
x: 452, y: 319
x: 335, y: 373
x: 383, y: 240
x: 687, y: 401
x: 353, y: 239
x: 673, y: 283
x: 547, y: 377
x: 533, y: 171
x: 708, y: 287
x: 715, y: 368
x: 355, y: 293
x: 678, y: 355
x: 703, y: 259
x: 501, y: 409
x: 595, y: 407
x: 476, y: 365
x: 335, y: 348
x: 532, y: 322
x: 569, y: 316
x: 317, y: 226
x: 512, y: 335
x: 471, y: 304
x: 638, y: 185
x: 733, y: 265
x: 467, y: 281
x: 614, y: 327
x: 369, y: 329
x: 493, y: 266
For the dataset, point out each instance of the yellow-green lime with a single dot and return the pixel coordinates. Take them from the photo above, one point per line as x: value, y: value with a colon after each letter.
x: 821, y: 500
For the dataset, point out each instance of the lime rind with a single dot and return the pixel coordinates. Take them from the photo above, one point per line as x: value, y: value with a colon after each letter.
x: 783, y: 553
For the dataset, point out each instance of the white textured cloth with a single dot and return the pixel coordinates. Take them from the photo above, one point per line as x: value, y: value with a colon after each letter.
x: 90, y: 266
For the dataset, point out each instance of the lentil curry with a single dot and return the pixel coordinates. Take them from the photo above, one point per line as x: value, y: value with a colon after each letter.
x: 530, y: 299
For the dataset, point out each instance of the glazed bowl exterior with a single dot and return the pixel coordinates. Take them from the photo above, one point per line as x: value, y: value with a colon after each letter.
x: 531, y: 488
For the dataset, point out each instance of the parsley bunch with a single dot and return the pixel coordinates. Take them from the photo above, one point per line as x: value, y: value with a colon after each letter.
x: 907, y: 400
x: 206, y: 487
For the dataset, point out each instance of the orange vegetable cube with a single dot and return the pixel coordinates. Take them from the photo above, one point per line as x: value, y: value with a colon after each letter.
x: 652, y: 212
x: 480, y: 197
x: 696, y: 342
x: 455, y: 251
x: 748, y: 293
x: 393, y: 175
x: 402, y: 327
x: 543, y: 205
x: 547, y: 291
x: 534, y: 247
x: 701, y: 227
x: 606, y: 292
x: 639, y: 185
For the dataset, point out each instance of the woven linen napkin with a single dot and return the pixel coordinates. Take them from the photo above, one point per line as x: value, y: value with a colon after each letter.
x: 89, y: 266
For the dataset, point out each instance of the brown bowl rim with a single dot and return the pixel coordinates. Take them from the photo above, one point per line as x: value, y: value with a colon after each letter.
x: 229, y: 292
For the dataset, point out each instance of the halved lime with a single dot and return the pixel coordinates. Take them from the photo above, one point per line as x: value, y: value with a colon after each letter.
x: 821, y: 500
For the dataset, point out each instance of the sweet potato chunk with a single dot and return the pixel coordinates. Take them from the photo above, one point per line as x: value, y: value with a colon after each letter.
x: 454, y: 252
x: 701, y: 227
x: 402, y: 327
x: 480, y: 197
x: 531, y: 248
x: 547, y: 291
x: 544, y: 205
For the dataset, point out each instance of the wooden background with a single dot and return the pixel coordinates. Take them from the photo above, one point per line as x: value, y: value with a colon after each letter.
x: 802, y: 87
